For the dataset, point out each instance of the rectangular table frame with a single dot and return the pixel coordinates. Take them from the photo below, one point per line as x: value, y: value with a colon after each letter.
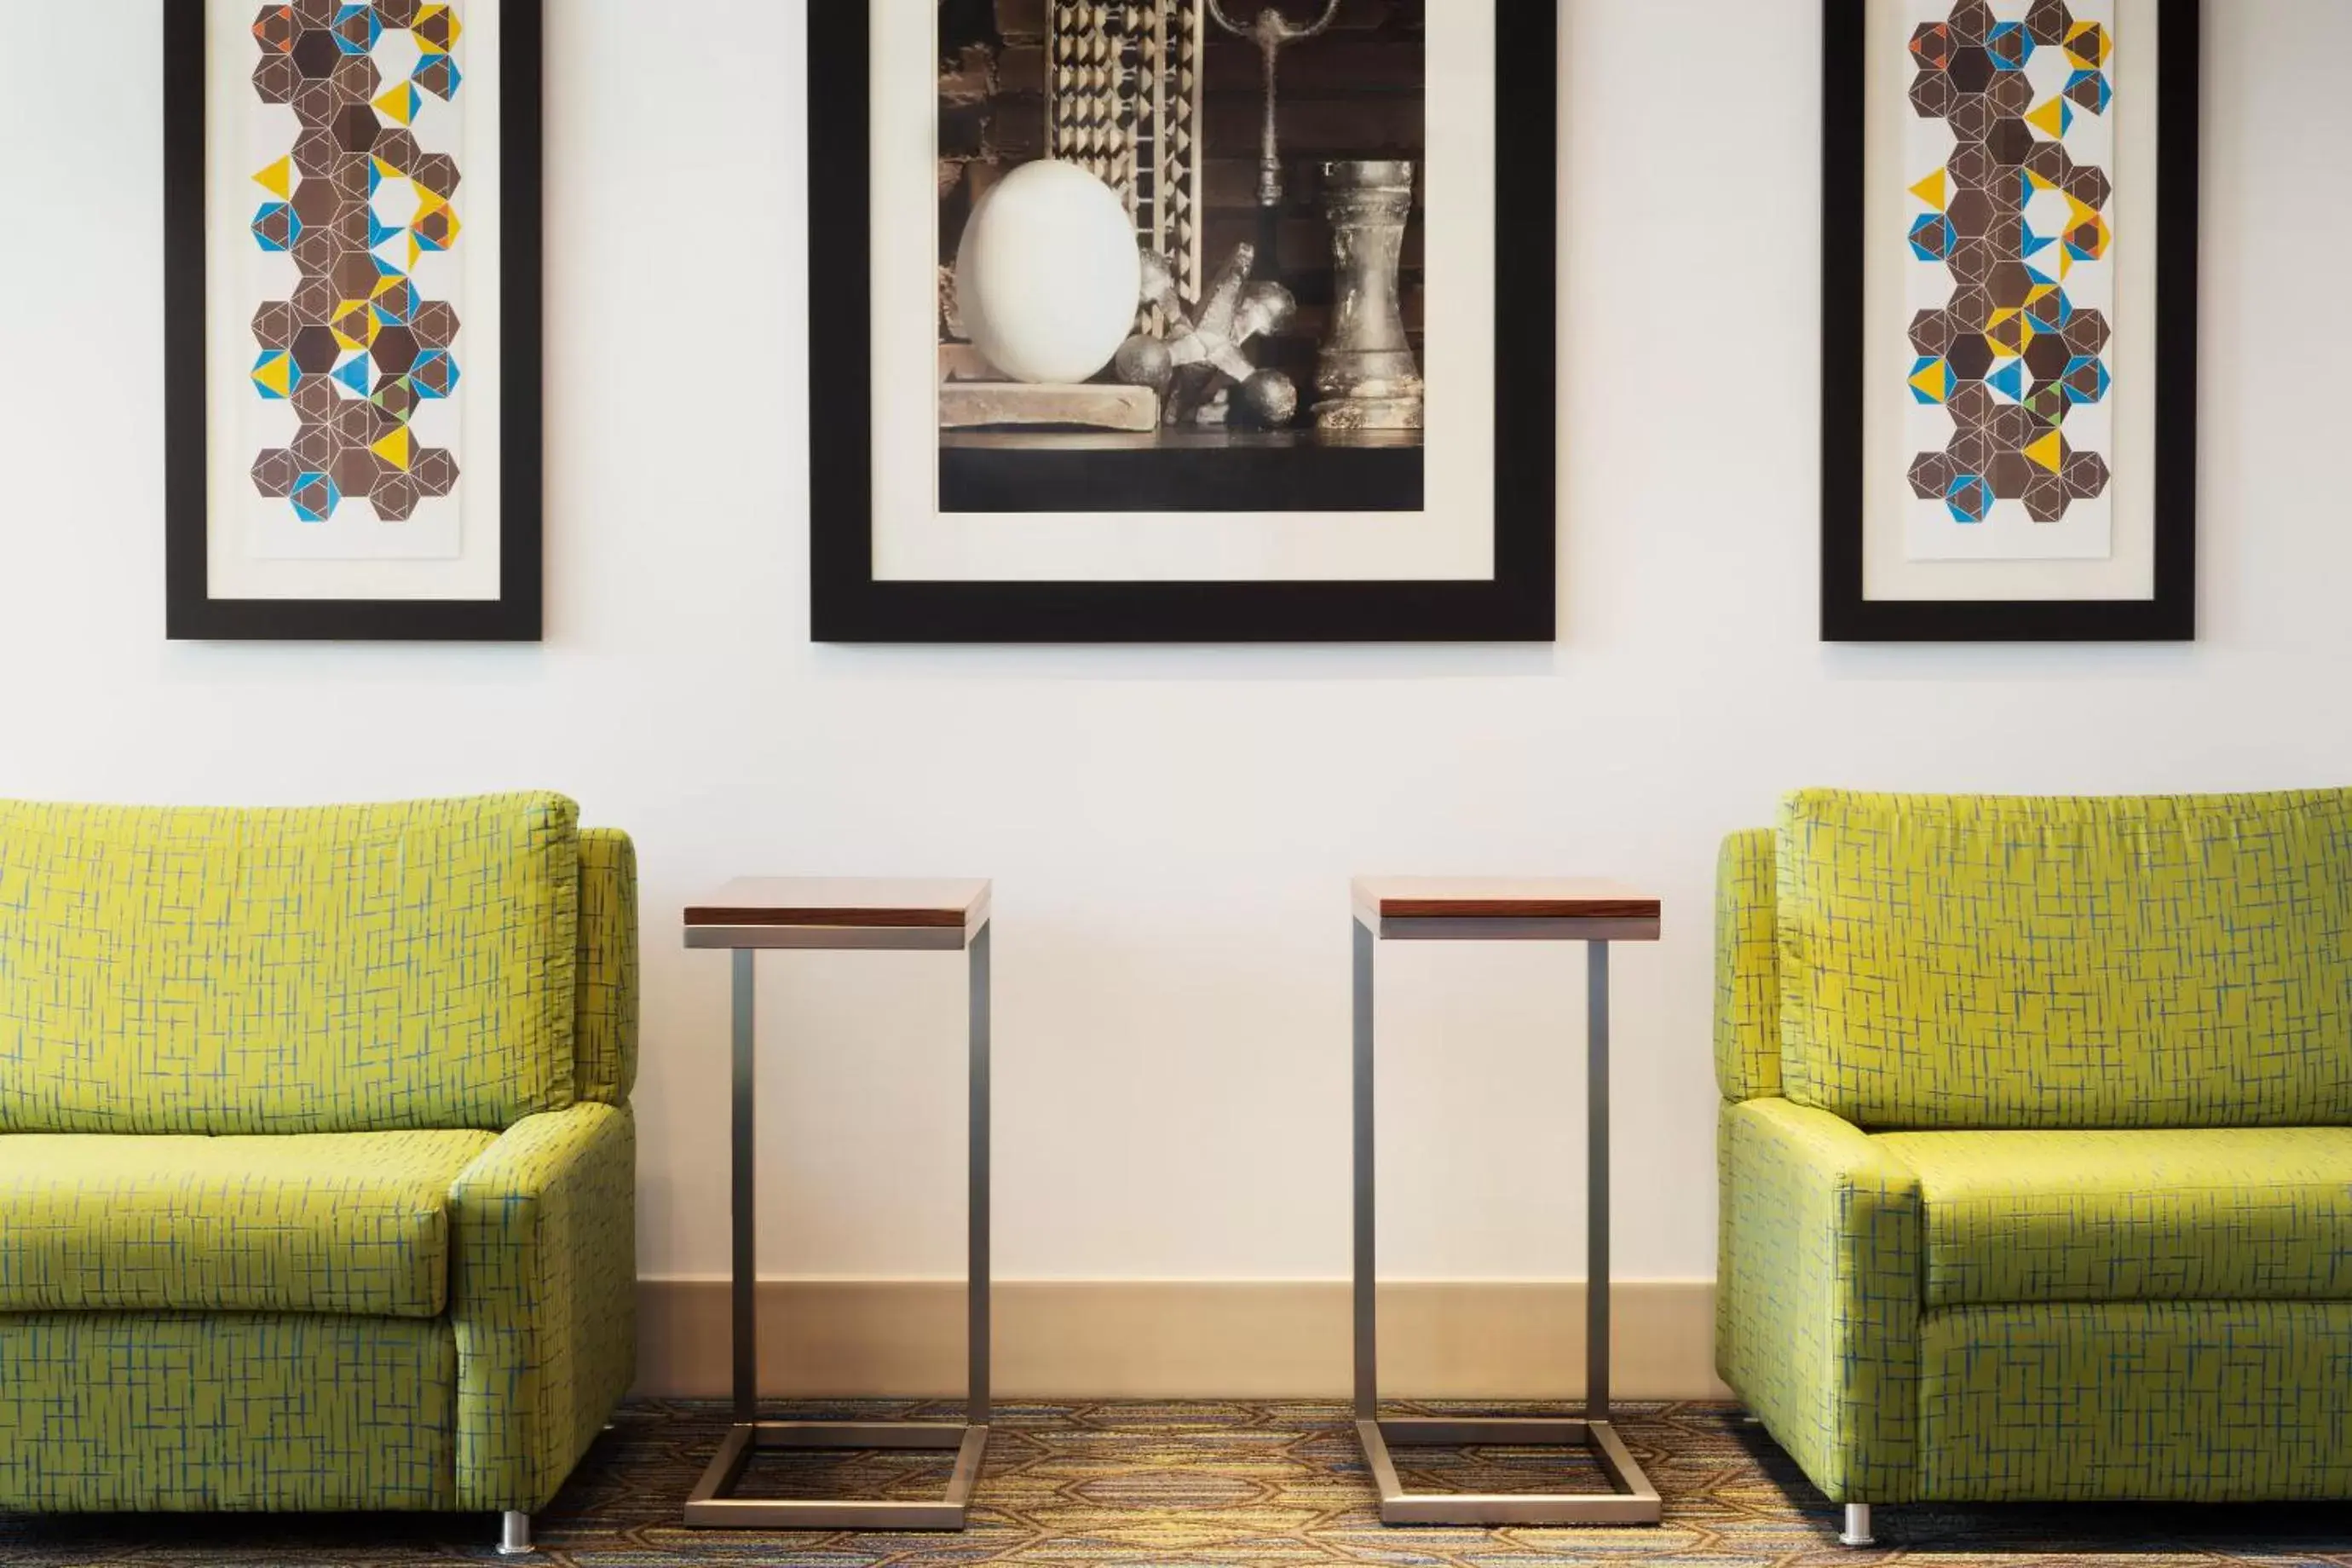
x: 1635, y: 1501
x: 712, y: 1504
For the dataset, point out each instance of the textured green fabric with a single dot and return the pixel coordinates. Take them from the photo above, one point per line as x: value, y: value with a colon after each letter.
x: 1747, y: 1026
x: 332, y: 1222
x: 416, y: 988
x: 135, y: 1411
x: 2103, y: 1247
x: 607, y: 1066
x: 1952, y: 962
x: 2172, y: 1401
x: 1824, y: 1278
x: 543, y: 1301
x: 1727, y: 1293
x: 2209, y: 1214
x: 1747, y: 969
x: 335, y: 969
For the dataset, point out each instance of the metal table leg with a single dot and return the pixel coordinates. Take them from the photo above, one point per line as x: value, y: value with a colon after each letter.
x: 1635, y: 1501
x: 711, y: 1506
x: 744, y: 1198
x: 1596, y: 1183
x: 977, y: 1200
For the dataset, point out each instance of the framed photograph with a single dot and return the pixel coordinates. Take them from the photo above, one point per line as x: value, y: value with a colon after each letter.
x: 1182, y: 321
x: 2010, y: 447
x: 352, y: 233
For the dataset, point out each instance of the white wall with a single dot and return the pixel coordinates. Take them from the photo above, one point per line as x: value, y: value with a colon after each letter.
x: 1171, y: 831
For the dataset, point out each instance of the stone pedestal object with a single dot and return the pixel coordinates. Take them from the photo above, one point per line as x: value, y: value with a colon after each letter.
x: 1366, y: 377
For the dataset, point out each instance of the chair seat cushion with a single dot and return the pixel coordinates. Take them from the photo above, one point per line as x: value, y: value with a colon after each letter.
x: 350, y: 1222
x: 2220, y: 1214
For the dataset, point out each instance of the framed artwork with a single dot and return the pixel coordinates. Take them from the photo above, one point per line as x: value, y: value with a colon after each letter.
x: 1182, y: 321
x: 2010, y: 449
x: 352, y: 242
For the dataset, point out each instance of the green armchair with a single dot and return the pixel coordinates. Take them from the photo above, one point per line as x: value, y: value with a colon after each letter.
x: 2036, y: 1146
x: 317, y: 1169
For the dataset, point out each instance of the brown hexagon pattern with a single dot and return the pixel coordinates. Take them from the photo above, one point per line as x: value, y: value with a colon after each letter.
x: 2011, y: 218
x: 357, y: 199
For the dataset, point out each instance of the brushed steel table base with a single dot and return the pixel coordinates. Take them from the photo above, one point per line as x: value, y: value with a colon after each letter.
x: 710, y: 1505
x: 1635, y: 1501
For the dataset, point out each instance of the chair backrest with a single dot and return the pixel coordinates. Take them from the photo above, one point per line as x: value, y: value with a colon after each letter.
x: 1957, y: 962
x: 606, y: 1063
x: 319, y: 969
x: 1747, y: 968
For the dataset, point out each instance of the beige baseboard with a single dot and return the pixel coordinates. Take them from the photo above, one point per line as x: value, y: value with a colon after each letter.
x: 1177, y: 1339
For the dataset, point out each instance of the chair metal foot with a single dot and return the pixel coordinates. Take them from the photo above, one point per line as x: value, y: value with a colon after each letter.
x: 514, y: 1534
x: 1857, y: 1526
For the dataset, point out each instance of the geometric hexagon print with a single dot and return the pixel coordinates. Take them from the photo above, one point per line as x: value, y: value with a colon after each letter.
x: 2009, y: 158
x: 353, y: 276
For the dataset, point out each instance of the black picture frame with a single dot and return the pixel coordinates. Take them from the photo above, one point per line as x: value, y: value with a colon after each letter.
x: 2170, y: 615
x: 192, y: 613
x: 847, y: 604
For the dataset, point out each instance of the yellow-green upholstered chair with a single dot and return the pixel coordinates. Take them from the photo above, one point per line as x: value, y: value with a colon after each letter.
x: 316, y: 1167
x: 2037, y: 1146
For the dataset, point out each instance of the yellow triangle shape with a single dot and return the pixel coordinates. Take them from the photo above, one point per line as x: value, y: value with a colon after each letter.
x: 393, y: 448
x: 394, y: 105
x: 2048, y: 451
x: 277, y: 179
x: 1932, y: 190
x: 2050, y: 119
x: 277, y: 375
x: 1936, y: 381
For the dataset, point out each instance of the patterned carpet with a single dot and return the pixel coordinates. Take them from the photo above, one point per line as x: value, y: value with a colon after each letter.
x: 1204, y: 1486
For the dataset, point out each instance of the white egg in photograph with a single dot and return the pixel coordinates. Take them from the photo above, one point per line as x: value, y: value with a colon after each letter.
x: 1048, y: 276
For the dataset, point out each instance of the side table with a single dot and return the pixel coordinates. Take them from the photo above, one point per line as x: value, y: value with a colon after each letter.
x: 1456, y: 909
x: 764, y: 913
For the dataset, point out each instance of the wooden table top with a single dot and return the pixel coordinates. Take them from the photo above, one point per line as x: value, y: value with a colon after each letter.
x: 859, y: 903
x: 1561, y: 898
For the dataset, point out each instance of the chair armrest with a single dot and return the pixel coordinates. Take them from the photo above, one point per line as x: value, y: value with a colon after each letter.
x: 1822, y: 1237
x: 542, y: 1296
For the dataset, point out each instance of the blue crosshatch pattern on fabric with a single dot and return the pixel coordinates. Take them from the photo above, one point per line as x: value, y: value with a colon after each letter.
x: 311, y: 970
x: 335, y: 1221
x: 1747, y: 968
x: 2059, y: 1204
x: 1953, y: 962
x: 2186, y: 1401
x: 174, y: 1411
x: 1825, y: 1237
x: 2214, y: 1214
x: 607, y: 1066
x: 297, y: 1210
x: 542, y: 1300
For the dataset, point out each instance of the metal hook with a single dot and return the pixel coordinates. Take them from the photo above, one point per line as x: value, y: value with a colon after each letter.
x: 1274, y: 32
x: 1271, y: 21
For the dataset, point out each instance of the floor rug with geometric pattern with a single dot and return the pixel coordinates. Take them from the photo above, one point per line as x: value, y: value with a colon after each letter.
x: 1196, y: 1485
